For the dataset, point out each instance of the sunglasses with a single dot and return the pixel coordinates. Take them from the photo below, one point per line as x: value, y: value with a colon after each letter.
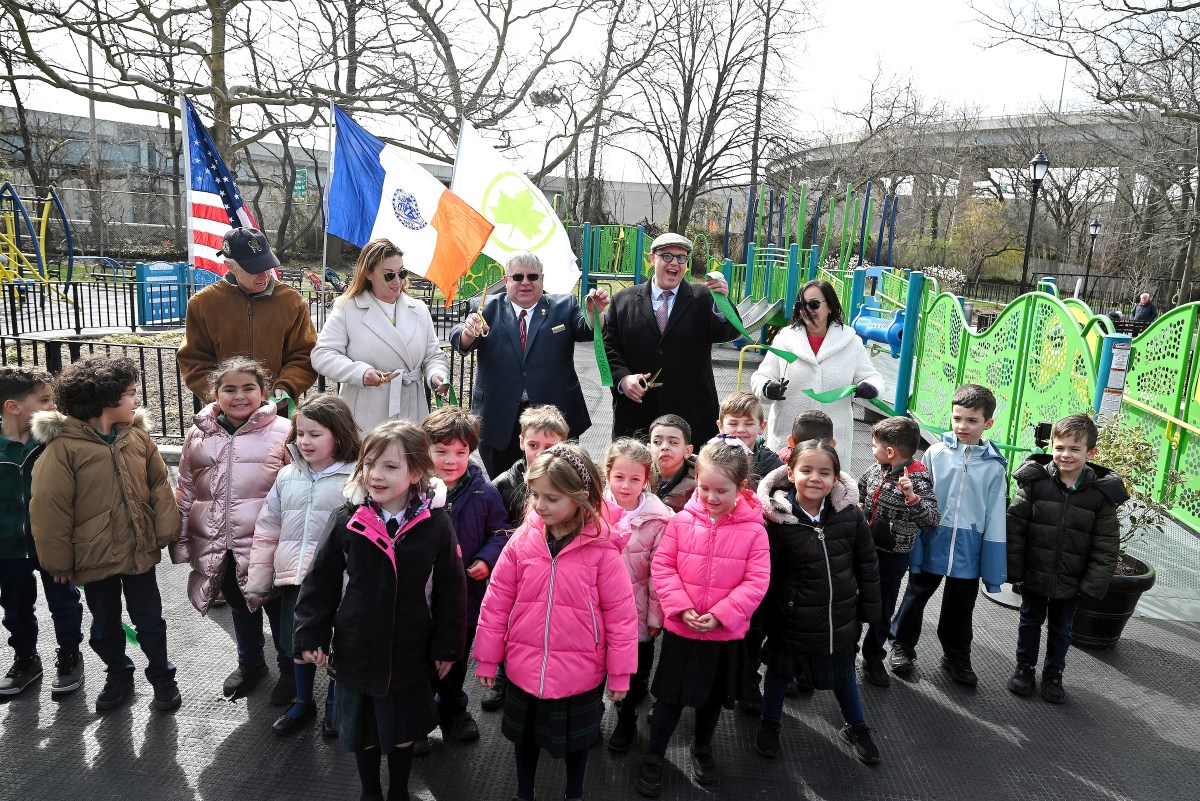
x: 678, y: 258
x: 519, y: 277
x: 813, y: 304
x: 390, y: 276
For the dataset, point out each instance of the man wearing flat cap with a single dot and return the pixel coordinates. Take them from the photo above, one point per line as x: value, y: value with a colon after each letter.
x: 659, y: 336
x: 248, y: 313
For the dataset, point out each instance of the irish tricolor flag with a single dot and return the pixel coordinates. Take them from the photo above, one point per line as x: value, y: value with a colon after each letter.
x: 376, y: 191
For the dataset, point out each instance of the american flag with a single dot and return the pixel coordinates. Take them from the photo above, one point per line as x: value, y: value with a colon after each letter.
x: 214, y: 202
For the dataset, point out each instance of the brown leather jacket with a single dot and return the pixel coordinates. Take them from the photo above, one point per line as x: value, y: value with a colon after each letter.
x: 273, y: 327
x: 99, y: 510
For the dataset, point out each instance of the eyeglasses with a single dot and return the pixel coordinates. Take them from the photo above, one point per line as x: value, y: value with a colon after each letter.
x: 678, y: 258
x: 813, y: 304
x: 390, y: 276
x: 519, y: 277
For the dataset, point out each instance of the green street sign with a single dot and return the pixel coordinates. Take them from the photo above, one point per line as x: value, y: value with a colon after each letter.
x: 300, y: 186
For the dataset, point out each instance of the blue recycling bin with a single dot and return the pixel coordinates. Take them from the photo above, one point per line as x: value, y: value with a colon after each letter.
x: 161, y: 295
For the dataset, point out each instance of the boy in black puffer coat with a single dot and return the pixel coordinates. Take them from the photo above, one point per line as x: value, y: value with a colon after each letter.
x: 824, y: 586
x: 1063, y: 541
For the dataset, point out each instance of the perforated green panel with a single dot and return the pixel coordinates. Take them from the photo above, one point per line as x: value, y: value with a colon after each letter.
x: 938, y: 357
x: 992, y: 359
x: 893, y: 290
x: 483, y: 273
x: 614, y: 249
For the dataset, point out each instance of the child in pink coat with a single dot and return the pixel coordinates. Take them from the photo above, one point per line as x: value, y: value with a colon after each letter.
x: 559, y: 613
x: 642, y: 518
x: 710, y: 571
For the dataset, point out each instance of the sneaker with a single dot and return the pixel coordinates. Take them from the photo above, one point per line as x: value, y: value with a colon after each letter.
x: 649, y: 780
x: 421, y: 746
x: 328, y: 726
x: 960, y: 670
x: 858, y: 737
x: 493, y: 699
x: 462, y: 728
x: 1022, y: 681
x: 900, y: 660
x: 766, y: 740
x: 295, y: 719
x: 285, y: 689
x: 243, y: 679
x: 624, y: 733
x: 25, y: 670
x: 1052, y: 689
x: 118, y: 686
x: 704, y: 768
x: 876, y: 673
x: 68, y: 673
x: 167, y: 697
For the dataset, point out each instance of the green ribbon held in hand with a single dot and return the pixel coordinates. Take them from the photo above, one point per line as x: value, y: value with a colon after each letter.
x: 288, y: 403
x: 598, y: 346
x: 451, y: 398
x: 726, y: 308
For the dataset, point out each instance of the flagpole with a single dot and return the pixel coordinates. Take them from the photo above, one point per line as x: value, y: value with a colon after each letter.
x: 184, y: 129
x: 325, y: 198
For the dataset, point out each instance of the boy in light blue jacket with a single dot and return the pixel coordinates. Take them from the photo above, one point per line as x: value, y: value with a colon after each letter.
x: 970, y: 482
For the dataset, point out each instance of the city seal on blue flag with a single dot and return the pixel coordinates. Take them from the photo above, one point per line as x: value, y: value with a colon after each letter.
x: 407, y: 212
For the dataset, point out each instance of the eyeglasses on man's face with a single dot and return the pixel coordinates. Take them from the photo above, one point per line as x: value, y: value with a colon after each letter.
x: 678, y: 258
x: 519, y: 277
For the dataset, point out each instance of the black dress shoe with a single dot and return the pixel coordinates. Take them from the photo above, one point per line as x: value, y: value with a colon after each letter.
x: 288, y: 724
x: 649, y: 779
x: 960, y: 670
x: 876, y: 673
x: 328, y: 725
x: 243, y: 679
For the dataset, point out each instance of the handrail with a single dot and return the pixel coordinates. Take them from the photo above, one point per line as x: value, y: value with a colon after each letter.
x: 1171, y: 420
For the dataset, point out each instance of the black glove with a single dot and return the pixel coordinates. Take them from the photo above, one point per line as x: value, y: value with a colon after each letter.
x: 866, y: 391
x: 776, y: 390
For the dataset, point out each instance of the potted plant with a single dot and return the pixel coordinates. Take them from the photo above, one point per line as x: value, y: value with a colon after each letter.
x: 1124, y: 448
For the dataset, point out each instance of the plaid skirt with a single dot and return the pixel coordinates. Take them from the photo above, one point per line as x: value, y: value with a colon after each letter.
x: 690, y: 672
x: 559, y: 725
x: 364, y: 721
x: 287, y: 616
x: 825, y: 671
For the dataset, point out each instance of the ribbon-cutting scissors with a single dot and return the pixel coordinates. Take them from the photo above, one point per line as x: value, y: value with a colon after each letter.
x: 485, y: 329
x: 653, y: 382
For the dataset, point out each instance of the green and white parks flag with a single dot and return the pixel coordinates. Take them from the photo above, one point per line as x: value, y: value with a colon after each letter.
x: 523, y: 218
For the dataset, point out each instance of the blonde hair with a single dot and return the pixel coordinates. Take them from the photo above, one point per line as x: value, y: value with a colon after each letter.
x: 544, y: 418
x: 742, y: 404
x: 572, y: 472
x: 410, y: 439
x: 728, y: 459
x: 370, y: 257
x: 635, y: 451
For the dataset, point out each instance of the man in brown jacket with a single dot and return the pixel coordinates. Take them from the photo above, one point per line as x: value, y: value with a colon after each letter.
x: 248, y: 313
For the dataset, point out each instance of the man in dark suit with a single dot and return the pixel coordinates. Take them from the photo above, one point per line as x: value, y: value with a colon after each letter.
x: 526, y: 357
x: 666, y: 325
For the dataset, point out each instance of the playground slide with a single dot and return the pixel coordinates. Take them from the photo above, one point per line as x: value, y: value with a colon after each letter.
x: 757, y: 313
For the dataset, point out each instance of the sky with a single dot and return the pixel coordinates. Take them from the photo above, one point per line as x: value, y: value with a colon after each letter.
x: 938, y: 43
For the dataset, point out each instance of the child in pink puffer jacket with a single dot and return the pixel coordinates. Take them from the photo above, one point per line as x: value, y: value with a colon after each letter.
x: 710, y: 571
x: 629, y: 473
x: 559, y: 612
x: 230, y: 458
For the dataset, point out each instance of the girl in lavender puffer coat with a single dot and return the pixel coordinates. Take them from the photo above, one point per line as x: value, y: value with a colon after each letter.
x: 294, y: 520
x: 710, y: 571
x: 642, y: 519
x: 230, y: 458
x: 559, y: 612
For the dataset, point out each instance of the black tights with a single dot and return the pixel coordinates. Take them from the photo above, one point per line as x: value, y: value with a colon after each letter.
x: 399, y: 767
x: 527, y: 762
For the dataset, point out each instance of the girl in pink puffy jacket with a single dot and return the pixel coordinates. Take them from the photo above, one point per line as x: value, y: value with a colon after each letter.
x: 710, y: 571
x: 559, y: 612
x: 629, y: 472
x: 230, y: 458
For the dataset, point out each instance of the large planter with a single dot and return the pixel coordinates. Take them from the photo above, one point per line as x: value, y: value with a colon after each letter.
x: 1098, y: 624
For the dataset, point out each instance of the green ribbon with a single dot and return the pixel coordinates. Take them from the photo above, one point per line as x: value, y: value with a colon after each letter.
x: 288, y: 403
x: 451, y: 398
x: 598, y: 346
x: 842, y: 392
x: 726, y: 308
x: 130, y: 634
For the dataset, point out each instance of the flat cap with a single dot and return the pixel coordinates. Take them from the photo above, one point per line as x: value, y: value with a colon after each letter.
x: 250, y: 249
x: 669, y: 240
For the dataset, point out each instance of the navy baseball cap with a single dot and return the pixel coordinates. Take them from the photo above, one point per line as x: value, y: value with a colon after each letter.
x: 250, y: 249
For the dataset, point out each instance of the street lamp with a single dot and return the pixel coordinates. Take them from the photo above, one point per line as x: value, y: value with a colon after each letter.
x: 1093, y: 232
x: 1039, y: 165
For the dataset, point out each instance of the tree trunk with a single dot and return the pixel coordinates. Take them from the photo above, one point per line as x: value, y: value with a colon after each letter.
x: 755, y: 141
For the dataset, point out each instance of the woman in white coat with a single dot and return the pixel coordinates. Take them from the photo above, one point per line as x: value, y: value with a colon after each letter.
x: 831, y: 356
x: 379, y: 343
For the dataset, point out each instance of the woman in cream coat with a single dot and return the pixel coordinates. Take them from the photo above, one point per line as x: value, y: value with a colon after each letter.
x: 379, y: 343
x: 831, y: 356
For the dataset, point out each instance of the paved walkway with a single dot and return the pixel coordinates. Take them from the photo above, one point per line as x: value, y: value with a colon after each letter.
x: 1128, y: 731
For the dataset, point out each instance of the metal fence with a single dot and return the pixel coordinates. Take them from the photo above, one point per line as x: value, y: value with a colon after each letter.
x: 1106, y: 294
x: 171, y: 405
